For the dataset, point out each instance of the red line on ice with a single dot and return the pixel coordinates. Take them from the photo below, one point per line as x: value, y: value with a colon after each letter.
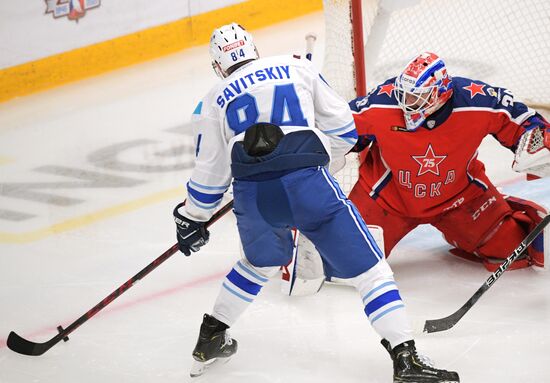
x: 52, y: 330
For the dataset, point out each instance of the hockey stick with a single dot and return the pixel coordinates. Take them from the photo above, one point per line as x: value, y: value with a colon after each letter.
x: 310, y: 43
x: 446, y: 323
x: 22, y: 346
x: 291, y: 283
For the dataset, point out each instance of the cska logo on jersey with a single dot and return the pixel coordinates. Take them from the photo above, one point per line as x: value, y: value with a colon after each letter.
x: 73, y: 9
x: 429, y: 162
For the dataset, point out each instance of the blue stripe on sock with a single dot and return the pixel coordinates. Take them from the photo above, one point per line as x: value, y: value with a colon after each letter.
x: 378, y: 288
x: 258, y: 277
x: 243, y: 283
x: 382, y: 300
x: 386, y: 312
x: 236, y: 293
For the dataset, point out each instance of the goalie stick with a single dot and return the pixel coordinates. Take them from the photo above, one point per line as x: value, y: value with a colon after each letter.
x: 442, y: 324
x: 23, y: 346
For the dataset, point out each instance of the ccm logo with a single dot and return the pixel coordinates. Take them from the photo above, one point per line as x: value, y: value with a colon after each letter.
x: 483, y: 207
x: 234, y: 45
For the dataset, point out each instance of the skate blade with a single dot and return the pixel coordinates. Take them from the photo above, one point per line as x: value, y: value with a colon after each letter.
x: 200, y: 368
x: 419, y: 381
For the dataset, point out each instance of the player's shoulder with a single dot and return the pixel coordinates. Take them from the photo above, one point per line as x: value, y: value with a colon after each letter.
x: 209, y: 98
x: 288, y: 64
x: 381, y: 97
x: 206, y: 106
x: 470, y: 93
x: 281, y: 60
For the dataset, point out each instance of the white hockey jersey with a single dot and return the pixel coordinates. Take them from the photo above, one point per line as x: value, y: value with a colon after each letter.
x: 281, y: 90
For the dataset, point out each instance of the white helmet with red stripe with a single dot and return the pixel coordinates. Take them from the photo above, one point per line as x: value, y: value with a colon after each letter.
x: 422, y: 88
x: 230, y: 45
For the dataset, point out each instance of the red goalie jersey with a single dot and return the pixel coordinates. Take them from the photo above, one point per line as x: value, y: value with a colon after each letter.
x: 425, y: 172
x: 431, y: 174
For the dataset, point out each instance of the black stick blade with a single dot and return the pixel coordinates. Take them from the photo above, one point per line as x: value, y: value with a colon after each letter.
x: 25, y: 347
x: 437, y: 325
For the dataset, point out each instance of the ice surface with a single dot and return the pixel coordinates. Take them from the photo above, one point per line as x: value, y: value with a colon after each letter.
x: 93, y: 170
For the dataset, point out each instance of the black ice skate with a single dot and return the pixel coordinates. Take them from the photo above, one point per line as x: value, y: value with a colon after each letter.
x: 409, y: 367
x: 214, y: 344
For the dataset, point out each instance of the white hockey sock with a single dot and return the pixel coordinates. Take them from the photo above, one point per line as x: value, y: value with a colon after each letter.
x: 383, y: 304
x: 243, y: 283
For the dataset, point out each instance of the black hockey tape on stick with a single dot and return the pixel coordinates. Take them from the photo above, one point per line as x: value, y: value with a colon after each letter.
x: 23, y: 346
x: 436, y: 325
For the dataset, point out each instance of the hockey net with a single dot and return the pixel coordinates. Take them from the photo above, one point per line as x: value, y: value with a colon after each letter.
x: 502, y: 42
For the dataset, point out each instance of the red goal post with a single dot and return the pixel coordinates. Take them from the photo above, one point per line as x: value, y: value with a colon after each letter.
x: 501, y: 42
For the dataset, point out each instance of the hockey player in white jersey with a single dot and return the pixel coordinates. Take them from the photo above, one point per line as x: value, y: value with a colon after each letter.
x: 273, y: 126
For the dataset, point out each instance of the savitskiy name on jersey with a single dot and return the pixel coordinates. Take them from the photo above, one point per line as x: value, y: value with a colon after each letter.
x: 242, y: 83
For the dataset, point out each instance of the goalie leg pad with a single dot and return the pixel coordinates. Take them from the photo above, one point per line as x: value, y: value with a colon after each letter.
x: 529, y: 214
x: 506, y: 235
x: 484, y: 229
x: 304, y: 275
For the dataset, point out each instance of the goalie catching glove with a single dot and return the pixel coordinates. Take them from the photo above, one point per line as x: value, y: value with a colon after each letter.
x: 191, y: 235
x: 533, y: 151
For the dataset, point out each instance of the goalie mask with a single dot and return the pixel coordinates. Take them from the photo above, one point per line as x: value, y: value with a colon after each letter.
x: 422, y: 88
x: 230, y: 45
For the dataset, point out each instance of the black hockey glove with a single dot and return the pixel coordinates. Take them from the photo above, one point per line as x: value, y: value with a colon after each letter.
x: 192, y: 235
x: 362, y: 143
